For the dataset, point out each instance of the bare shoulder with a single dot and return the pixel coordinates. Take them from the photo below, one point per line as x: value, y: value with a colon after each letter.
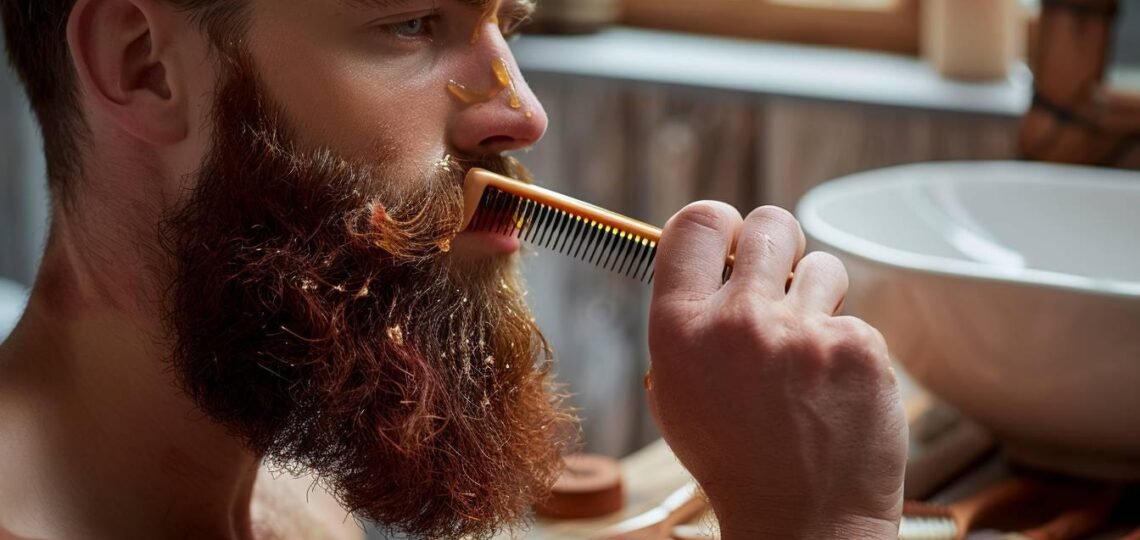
x: 286, y: 507
x: 28, y: 505
x: 4, y: 535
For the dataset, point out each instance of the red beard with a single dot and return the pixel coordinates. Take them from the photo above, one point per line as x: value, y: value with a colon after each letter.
x: 313, y: 312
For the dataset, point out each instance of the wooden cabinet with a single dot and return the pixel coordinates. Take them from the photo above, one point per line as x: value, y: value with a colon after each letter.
x: 888, y: 25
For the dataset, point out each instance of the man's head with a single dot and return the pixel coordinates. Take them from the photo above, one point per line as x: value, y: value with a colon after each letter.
x: 296, y: 166
x: 146, y: 67
x: 37, y: 42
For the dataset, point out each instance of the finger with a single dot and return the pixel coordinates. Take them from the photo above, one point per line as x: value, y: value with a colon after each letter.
x: 769, y: 244
x: 820, y: 284
x: 856, y: 335
x: 693, y: 248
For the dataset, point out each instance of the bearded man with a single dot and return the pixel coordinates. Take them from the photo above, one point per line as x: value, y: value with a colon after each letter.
x: 253, y: 275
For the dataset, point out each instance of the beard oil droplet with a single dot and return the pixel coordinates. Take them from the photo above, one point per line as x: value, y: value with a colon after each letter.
x: 490, y: 15
x: 503, y: 75
x: 469, y: 97
x: 396, y: 334
x: 380, y: 217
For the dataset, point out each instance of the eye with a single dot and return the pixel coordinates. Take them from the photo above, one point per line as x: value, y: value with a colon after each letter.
x: 419, y: 27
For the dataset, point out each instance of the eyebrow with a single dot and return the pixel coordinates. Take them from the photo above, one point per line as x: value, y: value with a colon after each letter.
x: 376, y: 3
x: 509, y: 4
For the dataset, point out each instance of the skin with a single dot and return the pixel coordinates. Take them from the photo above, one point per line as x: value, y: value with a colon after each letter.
x: 787, y: 415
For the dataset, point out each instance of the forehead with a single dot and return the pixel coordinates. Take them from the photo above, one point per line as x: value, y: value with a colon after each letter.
x: 509, y: 4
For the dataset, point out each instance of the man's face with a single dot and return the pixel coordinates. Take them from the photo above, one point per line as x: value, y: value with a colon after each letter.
x: 366, y: 80
x: 319, y: 306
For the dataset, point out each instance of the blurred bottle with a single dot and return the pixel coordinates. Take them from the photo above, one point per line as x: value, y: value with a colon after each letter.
x: 574, y: 16
x: 973, y: 39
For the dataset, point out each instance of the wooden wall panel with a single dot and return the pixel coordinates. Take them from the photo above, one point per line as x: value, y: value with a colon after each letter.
x: 591, y: 317
x: 810, y: 142
x: 647, y: 150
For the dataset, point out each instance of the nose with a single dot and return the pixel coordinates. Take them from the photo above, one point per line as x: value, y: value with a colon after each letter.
x: 496, y: 109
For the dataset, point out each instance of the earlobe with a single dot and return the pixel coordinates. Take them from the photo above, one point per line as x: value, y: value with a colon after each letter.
x: 119, y: 48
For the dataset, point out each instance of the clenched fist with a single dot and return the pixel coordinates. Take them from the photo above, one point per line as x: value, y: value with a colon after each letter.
x: 787, y: 415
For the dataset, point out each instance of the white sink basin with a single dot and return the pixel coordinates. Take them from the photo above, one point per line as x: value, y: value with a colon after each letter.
x: 12, y: 300
x: 1010, y: 290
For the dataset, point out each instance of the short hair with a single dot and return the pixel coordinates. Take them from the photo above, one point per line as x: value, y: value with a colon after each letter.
x: 36, y: 36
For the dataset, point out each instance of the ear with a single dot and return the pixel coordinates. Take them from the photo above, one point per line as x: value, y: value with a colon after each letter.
x: 127, y: 67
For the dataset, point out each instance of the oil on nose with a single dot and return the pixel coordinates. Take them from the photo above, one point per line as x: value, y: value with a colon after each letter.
x: 502, y: 117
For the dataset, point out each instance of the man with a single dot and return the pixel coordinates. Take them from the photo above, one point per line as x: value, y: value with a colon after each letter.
x: 253, y: 266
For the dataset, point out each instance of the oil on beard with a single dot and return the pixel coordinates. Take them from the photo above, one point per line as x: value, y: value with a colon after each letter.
x: 314, y: 313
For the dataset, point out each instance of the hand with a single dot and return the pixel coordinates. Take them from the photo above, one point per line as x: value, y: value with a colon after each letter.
x: 787, y: 415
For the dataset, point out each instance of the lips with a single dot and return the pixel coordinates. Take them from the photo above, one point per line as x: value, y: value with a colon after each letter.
x: 485, y: 243
x: 502, y: 221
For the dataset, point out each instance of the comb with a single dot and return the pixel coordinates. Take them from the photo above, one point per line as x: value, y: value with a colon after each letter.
x: 495, y: 203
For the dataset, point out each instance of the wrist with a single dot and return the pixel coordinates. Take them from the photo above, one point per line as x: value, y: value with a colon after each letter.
x: 762, y: 525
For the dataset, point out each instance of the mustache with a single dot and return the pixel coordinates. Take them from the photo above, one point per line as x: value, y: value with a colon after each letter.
x: 418, y: 221
x: 410, y: 219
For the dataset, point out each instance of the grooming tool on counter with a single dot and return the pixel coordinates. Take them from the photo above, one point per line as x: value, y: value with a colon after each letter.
x: 682, y: 506
x: 590, y: 487
x: 581, y: 230
x: 1078, y: 522
x: 695, y: 532
x: 922, y: 521
x: 943, y: 445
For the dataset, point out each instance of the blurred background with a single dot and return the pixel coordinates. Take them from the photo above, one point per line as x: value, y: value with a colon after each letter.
x: 656, y: 103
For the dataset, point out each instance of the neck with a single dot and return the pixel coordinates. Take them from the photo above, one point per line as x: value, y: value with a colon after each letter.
x: 88, y: 358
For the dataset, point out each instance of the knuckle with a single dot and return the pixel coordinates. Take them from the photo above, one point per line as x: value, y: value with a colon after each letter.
x: 853, y: 338
x: 825, y: 261
x: 709, y: 215
x: 746, y: 321
x: 814, y: 348
x: 774, y: 215
x: 827, y: 266
x: 850, y: 328
x: 737, y: 318
x: 670, y: 324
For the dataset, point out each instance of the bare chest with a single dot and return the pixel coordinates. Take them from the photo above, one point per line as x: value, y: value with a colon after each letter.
x: 297, y: 509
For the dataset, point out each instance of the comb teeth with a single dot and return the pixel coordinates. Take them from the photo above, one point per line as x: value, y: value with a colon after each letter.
x: 927, y: 528
x: 925, y: 521
x: 566, y: 233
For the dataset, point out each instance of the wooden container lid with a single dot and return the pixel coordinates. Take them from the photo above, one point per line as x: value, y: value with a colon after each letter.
x: 589, y: 487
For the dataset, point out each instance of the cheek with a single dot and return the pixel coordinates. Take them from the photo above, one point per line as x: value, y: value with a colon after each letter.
x: 365, y: 112
x: 186, y: 158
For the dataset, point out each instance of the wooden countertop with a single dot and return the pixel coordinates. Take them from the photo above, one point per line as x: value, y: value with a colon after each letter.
x: 653, y: 473
x: 650, y: 475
